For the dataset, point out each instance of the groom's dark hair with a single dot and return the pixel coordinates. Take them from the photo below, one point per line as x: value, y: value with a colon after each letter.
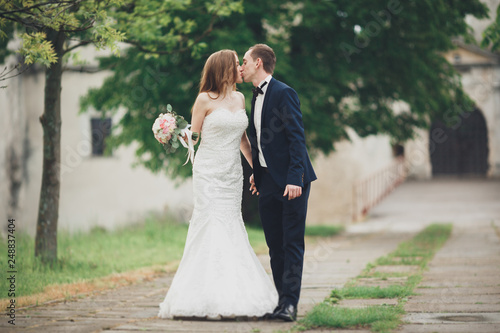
x: 266, y: 54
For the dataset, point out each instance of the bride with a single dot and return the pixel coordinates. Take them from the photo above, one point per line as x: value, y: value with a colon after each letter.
x: 219, y: 274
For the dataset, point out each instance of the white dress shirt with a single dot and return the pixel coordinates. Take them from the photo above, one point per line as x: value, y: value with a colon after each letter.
x: 257, y: 117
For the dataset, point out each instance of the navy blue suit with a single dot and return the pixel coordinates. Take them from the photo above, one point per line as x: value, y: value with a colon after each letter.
x: 284, y: 149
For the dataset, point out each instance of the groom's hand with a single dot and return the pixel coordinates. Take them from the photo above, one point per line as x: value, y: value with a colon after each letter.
x: 293, y: 191
x: 253, y: 188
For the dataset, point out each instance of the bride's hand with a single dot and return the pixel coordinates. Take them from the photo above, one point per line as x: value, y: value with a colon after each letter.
x: 253, y: 188
x: 194, y: 137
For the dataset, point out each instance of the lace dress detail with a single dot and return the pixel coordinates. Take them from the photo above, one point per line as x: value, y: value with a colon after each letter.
x: 219, y: 274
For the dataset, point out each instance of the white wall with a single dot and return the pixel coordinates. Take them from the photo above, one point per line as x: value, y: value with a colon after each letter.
x: 95, y: 191
x: 480, y: 25
x: 331, y: 197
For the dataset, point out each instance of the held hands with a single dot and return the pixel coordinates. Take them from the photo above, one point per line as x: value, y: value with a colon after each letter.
x: 253, y: 188
x: 293, y: 191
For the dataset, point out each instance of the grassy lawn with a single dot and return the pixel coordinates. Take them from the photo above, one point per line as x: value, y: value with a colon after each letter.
x: 100, y: 259
x: 380, y: 318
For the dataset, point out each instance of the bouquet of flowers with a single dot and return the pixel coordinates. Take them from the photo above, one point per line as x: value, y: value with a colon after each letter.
x: 170, y: 130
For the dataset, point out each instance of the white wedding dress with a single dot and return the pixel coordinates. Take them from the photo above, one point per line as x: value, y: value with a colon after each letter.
x: 219, y: 274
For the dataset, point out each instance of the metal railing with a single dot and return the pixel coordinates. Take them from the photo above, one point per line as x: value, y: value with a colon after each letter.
x: 371, y: 190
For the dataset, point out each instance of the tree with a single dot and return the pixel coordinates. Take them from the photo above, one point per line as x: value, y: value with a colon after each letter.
x: 48, y: 27
x: 53, y: 29
x: 348, y: 60
x: 379, y: 52
x: 491, y: 36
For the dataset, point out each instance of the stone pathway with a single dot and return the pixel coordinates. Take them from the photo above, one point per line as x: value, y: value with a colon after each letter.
x: 459, y: 293
x: 461, y: 290
x: 329, y: 264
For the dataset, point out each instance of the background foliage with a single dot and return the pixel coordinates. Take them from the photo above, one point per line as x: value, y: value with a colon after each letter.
x: 349, y: 61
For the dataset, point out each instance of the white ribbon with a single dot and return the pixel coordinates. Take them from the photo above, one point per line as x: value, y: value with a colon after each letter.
x: 189, y: 144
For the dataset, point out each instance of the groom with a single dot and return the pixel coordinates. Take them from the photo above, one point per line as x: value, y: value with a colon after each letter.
x: 282, y: 173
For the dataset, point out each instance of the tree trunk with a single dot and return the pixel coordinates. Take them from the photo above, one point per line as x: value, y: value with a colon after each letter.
x: 48, y: 210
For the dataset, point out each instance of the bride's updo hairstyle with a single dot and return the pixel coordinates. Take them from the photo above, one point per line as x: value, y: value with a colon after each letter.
x: 220, y: 73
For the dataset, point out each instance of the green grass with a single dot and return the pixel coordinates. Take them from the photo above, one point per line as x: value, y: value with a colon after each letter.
x: 416, y: 251
x: 393, y: 291
x: 425, y: 243
x: 323, y: 230
x: 100, y: 253
x: 382, y: 318
x: 85, y: 256
x: 379, y: 318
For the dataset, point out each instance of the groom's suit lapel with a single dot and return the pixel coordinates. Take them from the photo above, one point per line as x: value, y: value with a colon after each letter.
x: 252, y: 123
x: 267, y: 99
x: 252, y: 118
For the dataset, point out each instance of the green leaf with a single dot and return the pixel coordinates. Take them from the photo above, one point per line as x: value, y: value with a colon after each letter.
x: 35, y: 48
x: 349, y: 62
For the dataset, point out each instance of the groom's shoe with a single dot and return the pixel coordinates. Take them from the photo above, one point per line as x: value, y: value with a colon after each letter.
x: 287, y: 313
x: 277, y: 309
x: 268, y: 316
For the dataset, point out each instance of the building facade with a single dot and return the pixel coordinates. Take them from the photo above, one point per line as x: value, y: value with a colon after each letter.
x: 468, y: 144
x: 106, y: 191
x: 96, y: 190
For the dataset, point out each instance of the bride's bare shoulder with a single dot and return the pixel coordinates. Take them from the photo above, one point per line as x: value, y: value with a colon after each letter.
x: 203, y: 97
x: 202, y: 103
x: 240, y: 97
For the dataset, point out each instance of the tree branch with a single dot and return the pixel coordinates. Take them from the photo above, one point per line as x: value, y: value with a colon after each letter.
x: 3, y: 74
x: 64, y: 5
x: 28, y: 9
x: 141, y: 48
x: 82, y: 43
x: 24, y: 22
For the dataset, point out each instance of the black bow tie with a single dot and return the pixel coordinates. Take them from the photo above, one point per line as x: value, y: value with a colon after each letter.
x: 258, y: 90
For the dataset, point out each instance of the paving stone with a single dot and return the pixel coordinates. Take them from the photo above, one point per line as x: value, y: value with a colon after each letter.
x: 464, y: 270
x: 69, y: 326
x: 443, y: 318
x: 467, y: 262
x: 336, y: 330
x: 395, y: 269
x: 398, y: 259
x: 362, y: 303
x: 459, y: 291
x: 450, y: 328
x: 465, y: 293
x: 455, y: 298
x: 382, y: 283
x: 453, y: 307
x: 203, y: 326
